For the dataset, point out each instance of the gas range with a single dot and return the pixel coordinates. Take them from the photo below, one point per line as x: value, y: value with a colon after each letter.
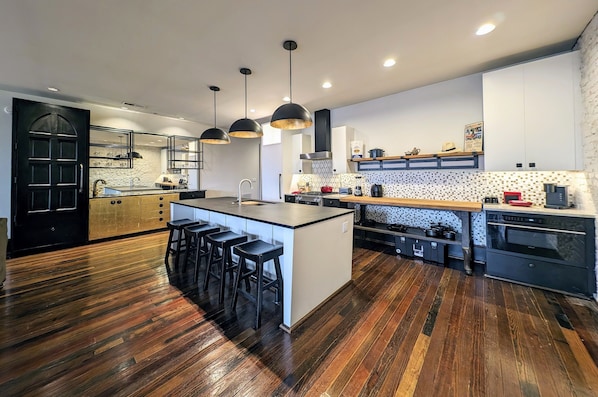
x: 311, y: 198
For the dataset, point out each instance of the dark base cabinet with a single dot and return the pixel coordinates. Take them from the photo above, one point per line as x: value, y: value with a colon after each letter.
x: 540, y: 273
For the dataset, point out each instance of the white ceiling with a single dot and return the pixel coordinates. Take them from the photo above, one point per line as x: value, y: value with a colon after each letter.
x: 164, y: 54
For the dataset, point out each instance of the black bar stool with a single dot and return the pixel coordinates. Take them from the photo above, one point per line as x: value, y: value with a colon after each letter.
x: 177, y: 225
x: 195, y: 236
x: 223, y: 240
x: 259, y: 252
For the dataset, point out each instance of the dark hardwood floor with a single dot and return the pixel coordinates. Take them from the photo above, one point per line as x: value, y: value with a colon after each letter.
x: 105, y: 319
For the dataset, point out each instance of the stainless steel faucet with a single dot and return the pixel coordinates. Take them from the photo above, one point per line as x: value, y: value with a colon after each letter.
x: 240, y: 184
x: 132, y: 181
x: 95, y: 186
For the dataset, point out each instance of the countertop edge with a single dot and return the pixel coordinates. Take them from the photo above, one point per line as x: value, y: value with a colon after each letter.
x: 536, y: 209
x: 193, y: 204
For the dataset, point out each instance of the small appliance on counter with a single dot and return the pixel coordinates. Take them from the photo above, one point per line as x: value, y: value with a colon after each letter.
x: 508, y: 196
x: 358, y: 191
x: 557, y: 196
x: 376, y: 190
x: 345, y: 190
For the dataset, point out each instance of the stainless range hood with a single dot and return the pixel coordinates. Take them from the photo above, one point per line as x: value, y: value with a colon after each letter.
x: 323, y: 136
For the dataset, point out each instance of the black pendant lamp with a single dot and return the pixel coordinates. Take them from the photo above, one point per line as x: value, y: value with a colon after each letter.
x: 291, y: 116
x: 245, y: 128
x: 214, y: 136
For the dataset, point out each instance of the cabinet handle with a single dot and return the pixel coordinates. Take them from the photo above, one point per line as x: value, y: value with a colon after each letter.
x: 161, y: 212
x: 118, y: 202
x: 80, y: 178
x: 531, y: 265
x: 161, y: 205
x: 112, y: 202
x: 161, y: 198
x: 532, y: 165
x: 519, y: 165
x: 279, y: 186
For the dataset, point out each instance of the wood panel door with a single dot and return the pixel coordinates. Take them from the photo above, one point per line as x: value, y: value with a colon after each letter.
x: 50, y: 176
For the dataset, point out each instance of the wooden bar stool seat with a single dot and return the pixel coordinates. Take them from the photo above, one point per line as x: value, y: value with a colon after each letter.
x: 259, y: 252
x: 176, y: 225
x: 224, y: 241
x: 195, y: 236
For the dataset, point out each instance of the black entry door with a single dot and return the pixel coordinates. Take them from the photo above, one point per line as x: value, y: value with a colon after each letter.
x: 50, y: 182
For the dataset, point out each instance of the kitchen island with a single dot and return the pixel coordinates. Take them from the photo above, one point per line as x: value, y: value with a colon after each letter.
x: 317, y: 241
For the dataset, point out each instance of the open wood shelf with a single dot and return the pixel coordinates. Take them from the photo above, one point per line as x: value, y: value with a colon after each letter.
x: 446, y: 160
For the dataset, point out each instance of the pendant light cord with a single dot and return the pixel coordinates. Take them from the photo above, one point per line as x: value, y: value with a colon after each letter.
x: 245, y: 96
x: 214, y: 108
x: 290, y: 77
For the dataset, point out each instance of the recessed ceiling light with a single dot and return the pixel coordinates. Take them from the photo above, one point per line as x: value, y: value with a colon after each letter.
x: 327, y: 84
x: 485, y: 29
x: 389, y: 62
x: 286, y: 99
x: 53, y: 89
x: 252, y: 110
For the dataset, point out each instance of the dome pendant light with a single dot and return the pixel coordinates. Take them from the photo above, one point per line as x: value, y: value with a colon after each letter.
x: 214, y: 136
x: 291, y: 116
x: 245, y: 128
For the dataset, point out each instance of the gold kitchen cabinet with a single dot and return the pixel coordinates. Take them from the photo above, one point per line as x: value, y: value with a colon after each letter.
x: 113, y: 216
x: 155, y: 210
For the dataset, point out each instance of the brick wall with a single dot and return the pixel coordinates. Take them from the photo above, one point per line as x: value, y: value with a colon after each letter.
x: 588, y: 46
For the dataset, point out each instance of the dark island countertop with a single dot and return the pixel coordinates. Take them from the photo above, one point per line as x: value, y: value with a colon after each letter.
x: 281, y: 214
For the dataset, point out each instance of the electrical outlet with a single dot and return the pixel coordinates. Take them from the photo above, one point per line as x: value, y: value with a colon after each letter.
x: 345, y: 227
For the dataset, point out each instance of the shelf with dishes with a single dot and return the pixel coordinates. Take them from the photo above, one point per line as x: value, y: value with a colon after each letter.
x: 110, y: 147
x: 443, y: 161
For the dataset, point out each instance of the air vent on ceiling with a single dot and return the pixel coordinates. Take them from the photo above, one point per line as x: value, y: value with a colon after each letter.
x: 133, y: 105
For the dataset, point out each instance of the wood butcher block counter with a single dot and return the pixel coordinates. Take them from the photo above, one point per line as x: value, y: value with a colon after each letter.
x: 317, y: 241
x: 469, y: 206
x: 462, y: 209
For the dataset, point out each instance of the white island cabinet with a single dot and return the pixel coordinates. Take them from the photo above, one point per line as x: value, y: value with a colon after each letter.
x: 532, y: 115
x: 317, y: 241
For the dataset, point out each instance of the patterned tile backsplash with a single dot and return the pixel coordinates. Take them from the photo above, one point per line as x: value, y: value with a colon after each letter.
x: 463, y: 185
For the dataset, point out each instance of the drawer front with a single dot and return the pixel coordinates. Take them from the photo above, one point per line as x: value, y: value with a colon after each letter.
x: 555, y: 276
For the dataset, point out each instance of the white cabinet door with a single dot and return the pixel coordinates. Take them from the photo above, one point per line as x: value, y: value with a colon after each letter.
x: 301, y: 143
x: 271, y: 173
x: 550, y: 114
x: 341, y: 149
x: 531, y: 116
x: 503, y: 119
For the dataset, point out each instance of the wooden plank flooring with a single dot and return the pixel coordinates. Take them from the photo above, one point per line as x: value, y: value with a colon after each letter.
x: 107, y: 320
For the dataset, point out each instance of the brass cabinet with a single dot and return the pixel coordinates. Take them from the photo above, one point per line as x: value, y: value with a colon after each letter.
x: 155, y: 210
x: 117, y: 216
x: 113, y: 216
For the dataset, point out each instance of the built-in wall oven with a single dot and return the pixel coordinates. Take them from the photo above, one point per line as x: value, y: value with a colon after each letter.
x: 549, y: 251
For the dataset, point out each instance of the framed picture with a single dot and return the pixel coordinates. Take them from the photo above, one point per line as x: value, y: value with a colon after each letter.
x: 474, y: 136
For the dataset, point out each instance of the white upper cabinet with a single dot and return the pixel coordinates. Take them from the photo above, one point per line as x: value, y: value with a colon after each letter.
x: 340, y: 145
x: 531, y: 116
x: 301, y: 143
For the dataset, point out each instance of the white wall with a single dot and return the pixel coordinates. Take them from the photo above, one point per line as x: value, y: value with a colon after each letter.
x: 226, y: 165
x: 425, y: 117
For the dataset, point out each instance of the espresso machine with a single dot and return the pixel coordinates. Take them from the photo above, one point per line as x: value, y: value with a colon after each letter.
x: 557, y: 196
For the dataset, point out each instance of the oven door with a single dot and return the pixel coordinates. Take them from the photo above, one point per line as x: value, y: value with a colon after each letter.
x: 564, y: 245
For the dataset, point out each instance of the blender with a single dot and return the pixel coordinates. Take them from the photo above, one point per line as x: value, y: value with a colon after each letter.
x: 358, y: 191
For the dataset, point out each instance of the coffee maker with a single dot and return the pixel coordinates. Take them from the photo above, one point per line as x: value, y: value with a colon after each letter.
x: 557, y: 196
